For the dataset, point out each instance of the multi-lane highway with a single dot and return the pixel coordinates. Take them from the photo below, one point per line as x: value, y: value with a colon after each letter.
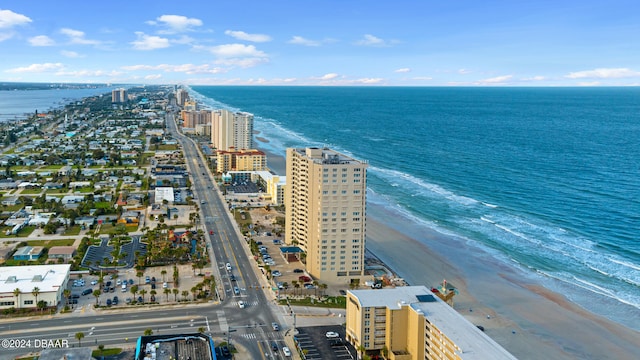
x: 250, y: 326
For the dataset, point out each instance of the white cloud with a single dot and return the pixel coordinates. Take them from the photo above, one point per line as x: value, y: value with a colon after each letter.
x: 464, y: 71
x: 70, y: 54
x: 153, y: 77
x: 329, y: 76
x: 369, y: 80
x: 299, y: 40
x: 241, y: 35
x: 184, y: 68
x: 242, y: 62
x: 236, y: 50
x: 9, y: 19
x: 41, y: 40
x: 6, y: 36
x: 422, y: 78
x: 77, y: 37
x: 604, y: 73
x: 149, y: 42
x: 402, y: 70
x: 37, y: 68
x: 495, y: 80
x: 589, y: 83
x: 534, y: 78
x: 88, y: 73
x: 370, y: 40
x: 176, y: 23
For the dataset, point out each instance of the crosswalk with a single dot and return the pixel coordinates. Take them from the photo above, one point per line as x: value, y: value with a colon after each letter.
x: 247, y: 303
x: 263, y: 336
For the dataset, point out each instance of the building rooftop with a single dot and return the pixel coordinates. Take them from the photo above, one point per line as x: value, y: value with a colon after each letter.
x: 44, y: 277
x: 178, y: 346
x: 327, y: 156
x: 473, y: 343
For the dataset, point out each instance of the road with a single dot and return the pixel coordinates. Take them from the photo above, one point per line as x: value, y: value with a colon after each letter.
x: 250, y: 326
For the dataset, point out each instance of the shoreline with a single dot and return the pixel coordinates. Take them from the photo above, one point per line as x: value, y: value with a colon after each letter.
x: 527, y: 319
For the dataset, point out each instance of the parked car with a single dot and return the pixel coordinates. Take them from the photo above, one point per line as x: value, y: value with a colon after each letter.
x: 139, y: 299
x: 153, y: 279
x: 225, y: 351
x: 210, y: 232
x: 304, y: 278
x: 332, y: 335
x: 165, y: 285
x: 298, y: 271
x: 343, y: 293
x: 108, y: 302
x: 87, y: 291
x: 147, y: 280
x: 153, y: 286
x: 153, y: 298
x: 276, y: 273
x: 115, y: 300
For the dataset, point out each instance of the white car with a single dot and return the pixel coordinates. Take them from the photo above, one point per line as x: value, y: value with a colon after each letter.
x: 286, y: 351
x: 94, y: 282
x: 241, y: 304
x: 332, y: 335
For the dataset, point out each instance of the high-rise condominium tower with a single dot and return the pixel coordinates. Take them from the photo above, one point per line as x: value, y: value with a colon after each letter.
x: 325, y: 200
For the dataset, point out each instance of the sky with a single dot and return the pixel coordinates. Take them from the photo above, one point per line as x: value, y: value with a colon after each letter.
x: 330, y: 42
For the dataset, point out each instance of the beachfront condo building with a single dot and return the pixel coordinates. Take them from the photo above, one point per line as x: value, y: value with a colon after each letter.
x: 241, y: 160
x: 182, y: 96
x: 192, y: 118
x: 119, y: 95
x: 325, y: 200
x: 410, y: 323
x: 231, y: 130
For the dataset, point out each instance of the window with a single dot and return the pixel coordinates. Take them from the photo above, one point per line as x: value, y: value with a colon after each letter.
x: 28, y: 302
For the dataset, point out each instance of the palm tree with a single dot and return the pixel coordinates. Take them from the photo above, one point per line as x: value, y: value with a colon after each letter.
x: 315, y: 287
x: 166, y: 292
x: 35, y: 292
x: 142, y: 293
x: 134, y: 290
x: 101, y: 348
x: 96, y: 293
x: 324, y: 288
x: 148, y: 332
x: 175, y: 294
x: 67, y: 294
x: 185, y: 293
x: 194, y: 290
x: 361, y: 349
x: 79, y: 336
x: 17, y: 293
x: 153, y: 293
x: 163, y: 273
x: 139, y: 274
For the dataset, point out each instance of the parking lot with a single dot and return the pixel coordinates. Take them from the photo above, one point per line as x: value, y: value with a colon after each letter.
x: 320, y: 343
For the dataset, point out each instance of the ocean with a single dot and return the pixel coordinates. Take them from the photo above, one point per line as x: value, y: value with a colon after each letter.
x: 545, y: 179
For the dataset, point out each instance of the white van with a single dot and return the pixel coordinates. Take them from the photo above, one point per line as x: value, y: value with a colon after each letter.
x: 228, y: 267
x: 124, y: 287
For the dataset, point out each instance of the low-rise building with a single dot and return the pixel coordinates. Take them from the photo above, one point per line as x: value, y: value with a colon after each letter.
x: 28, y: 253
x: 411, y: 323
x: 25, y: 286
x: 62, y: 252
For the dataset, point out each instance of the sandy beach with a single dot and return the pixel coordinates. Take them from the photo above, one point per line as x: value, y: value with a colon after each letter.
x: 528, y: 320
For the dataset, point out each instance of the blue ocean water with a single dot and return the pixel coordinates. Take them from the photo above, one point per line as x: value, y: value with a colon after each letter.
x: 547, y: 179
x: 14, y: 104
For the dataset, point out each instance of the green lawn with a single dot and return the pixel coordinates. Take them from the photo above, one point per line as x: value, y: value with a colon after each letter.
x: 167, y: 147
x: 86, y: 189
x: 102, y: 205
x: 30, y: 191
x: 56, y: 191
x: 51, y: 167
x: 106, y: 352
x: 49, y: 243
x: 328, y: 302
x: 26, y: 231
x: 74, y: 230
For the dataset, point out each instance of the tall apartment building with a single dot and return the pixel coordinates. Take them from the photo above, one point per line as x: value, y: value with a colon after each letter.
x: 325, y: 200
x: 410, y: 323
x: 191, y: 118
x: 119, y: 95
x: 182, y: 96
x: 232, y: 130
x: 241, y: 160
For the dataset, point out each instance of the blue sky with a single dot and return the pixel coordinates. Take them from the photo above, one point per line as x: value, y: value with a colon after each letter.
x: 307, y: 42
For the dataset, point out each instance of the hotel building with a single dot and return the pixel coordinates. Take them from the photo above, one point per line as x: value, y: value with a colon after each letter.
x: 241, y: 160
x: 410, y: 323
x: 232, y: 130
x: 119, y: 96
x: 325, y: 200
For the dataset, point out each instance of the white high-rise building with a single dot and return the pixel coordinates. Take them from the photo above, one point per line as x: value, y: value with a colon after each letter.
x: 231, y: 130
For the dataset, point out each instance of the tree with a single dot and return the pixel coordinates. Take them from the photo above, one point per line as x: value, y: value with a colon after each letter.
x: 79, y: 336
x: 143, y: 292
x: 41, y: 305
x: 361, y: 349
x: 201, y: 329
x: 67, y: 294
x: 175, y: 294
x: 153, y: 293
x: 101, y: 348
x: 185, y: 293
x: 96, y: 294
x: 17, y: 293
x: 35, y: 292
x: 148, y: 332
x: 134, y: 290
x: 194, y: 290
x: 163, y: 273
x: 139, y: 274
x: 167, y: 292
